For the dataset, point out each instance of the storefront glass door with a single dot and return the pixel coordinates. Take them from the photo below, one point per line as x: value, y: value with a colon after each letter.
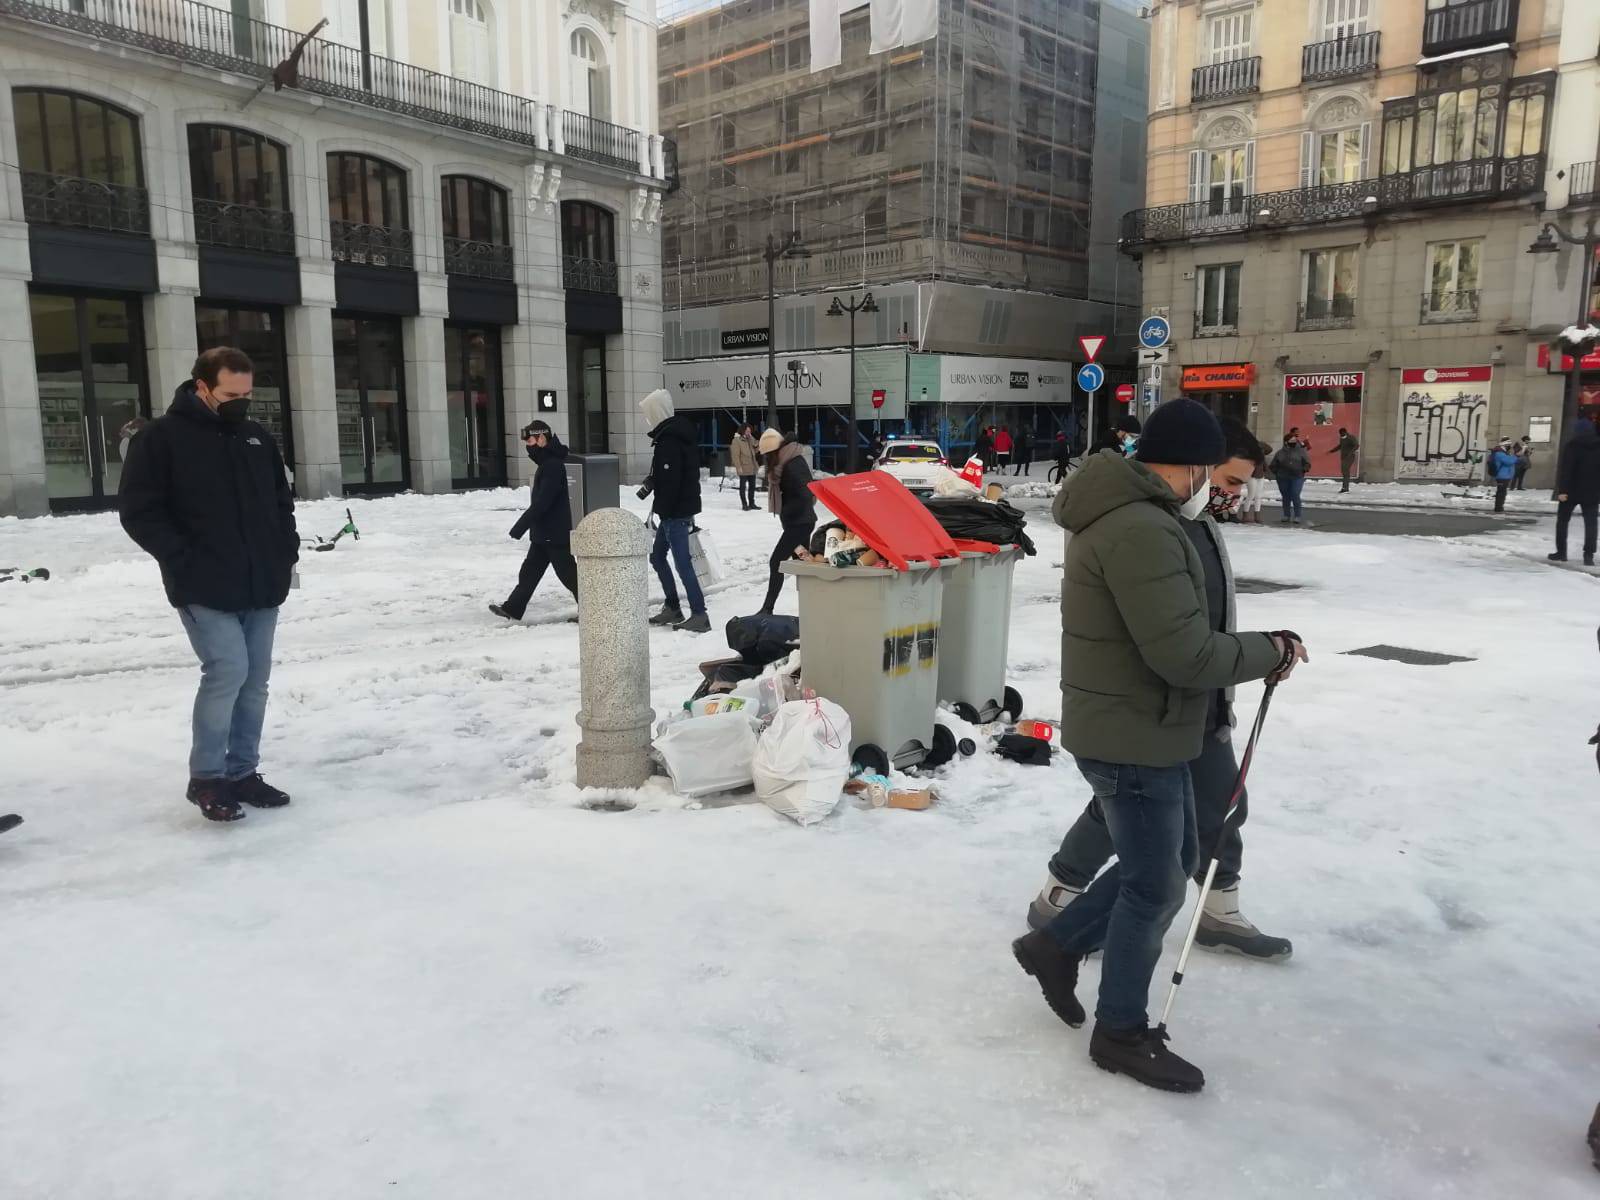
x: 369, y: 397
x: 475, y: 405
x: 586, y: 384
x: 89, y: 359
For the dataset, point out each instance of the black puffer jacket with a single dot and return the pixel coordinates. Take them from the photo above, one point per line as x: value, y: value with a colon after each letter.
x: 549, y: 515
x: 1578, y: 475
x: 675, y: 468
x: 208, y: 500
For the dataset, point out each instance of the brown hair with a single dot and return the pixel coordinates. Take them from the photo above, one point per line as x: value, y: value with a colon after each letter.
x: 211, y: 363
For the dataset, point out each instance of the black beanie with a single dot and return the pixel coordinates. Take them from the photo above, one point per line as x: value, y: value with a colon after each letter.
x: 1181, y: 433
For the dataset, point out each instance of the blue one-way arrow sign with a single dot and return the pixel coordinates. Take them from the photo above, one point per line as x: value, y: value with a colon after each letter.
x: 1154, y: 333
x: 1091, y: 376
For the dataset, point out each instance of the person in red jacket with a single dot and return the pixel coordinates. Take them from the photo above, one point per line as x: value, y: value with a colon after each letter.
x: 1002, y: 447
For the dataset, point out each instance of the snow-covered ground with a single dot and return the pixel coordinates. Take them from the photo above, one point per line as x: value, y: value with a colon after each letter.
x: 438, y: 975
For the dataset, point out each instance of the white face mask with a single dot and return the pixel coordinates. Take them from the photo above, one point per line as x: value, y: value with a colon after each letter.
x: 1191, y: 508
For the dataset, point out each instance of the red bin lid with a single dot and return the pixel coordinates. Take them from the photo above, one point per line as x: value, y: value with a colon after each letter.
x: 877, y: 506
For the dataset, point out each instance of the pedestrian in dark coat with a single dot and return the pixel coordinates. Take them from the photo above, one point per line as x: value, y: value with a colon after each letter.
x: 204, y: 493
x: 983, y: 451
x: 1348, y: 449
x: 548, y: 524
x: 1023, y: 451
x: 1524, y: 453
x: 789, y: 496
x: 675, y: 482
x: 1290, y: 466
x: 1578, y: 487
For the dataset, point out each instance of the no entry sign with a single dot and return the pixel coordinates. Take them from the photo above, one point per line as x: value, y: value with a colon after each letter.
x: 1125, y: 393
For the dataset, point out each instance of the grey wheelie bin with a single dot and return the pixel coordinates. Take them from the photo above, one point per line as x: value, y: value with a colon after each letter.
x: 976, y: 635
x: 871, y: 641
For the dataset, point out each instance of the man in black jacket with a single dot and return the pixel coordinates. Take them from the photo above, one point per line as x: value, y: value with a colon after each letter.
x: 548, y: 524
x: 675, y: 476
x: 1578, y: 487
x: 204, y: 494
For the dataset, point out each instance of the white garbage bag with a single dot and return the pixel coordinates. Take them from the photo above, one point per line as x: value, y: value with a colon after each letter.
x: 803, y: 759
x: 709, y: 754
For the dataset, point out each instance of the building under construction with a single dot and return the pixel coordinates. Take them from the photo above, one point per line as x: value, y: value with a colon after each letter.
x: 958, y: 179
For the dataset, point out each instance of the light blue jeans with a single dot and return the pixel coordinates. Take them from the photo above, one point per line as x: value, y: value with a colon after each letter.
x: 235, y: 653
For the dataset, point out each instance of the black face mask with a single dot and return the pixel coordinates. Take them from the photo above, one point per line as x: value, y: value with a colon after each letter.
x: 234, y: 410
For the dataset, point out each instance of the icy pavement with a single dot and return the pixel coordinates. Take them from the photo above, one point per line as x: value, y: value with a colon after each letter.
x: 437, y: 975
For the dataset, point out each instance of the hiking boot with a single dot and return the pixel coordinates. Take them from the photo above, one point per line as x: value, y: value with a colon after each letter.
x: 213, y: 799
x: 670, y: 614
x: 1225, y: 930
x: 1052, y: 898
x: 1041, y: 956
x: 1557, y: 557
x: 697, y: 623
x: 1141, y: 1053
x: 257, y: 792
x: 499, y: 610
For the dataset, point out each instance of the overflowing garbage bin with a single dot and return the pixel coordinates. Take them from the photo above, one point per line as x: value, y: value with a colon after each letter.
x: 976, y: 628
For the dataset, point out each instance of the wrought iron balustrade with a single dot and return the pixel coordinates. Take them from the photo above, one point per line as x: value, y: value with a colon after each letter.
x: 1459, y: 305
x: 1339, y: 58
x: 588, y: 274
x: 1219, y: 81
x: 243, y: 226
x: 361, y: 244
x: 1464, y: 26
x: 482, y: 260
x: 75, y: 203
x: 1327, y: 312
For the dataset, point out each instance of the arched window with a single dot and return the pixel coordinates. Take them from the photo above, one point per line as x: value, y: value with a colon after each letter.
x: 477, y: 237
x: 1337, y: 147
x: 236, y: 166
x: 67, y: 134
x: 369, y: 215
x: 587, y: 231
x: 589, y: 79
x: 471, y: 42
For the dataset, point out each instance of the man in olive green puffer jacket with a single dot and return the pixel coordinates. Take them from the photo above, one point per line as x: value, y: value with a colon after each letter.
x: 1139, y: 659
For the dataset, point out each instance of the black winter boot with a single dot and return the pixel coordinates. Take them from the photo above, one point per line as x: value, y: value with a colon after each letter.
x: 670, y: 614
x: 213, y: 798
x: 1141, y: 1053
x: 257, y: 792
x: 1041, y: 956
x: 696, y: 623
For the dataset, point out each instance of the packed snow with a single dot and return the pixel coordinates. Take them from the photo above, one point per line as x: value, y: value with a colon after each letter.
x: 438, y: 974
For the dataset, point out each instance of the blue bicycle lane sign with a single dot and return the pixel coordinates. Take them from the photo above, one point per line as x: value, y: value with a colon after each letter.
x: 1154, y: 333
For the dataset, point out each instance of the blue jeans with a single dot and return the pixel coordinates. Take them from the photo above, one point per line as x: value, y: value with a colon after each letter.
x: 235, y: 653
x: 673, y: 534
x: 1126, y: 911
x: 1289, y: 488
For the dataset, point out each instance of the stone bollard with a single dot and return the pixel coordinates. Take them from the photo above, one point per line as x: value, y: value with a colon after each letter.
x: 611, y: 546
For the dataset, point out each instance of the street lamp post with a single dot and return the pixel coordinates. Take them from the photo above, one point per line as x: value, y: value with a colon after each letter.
x: 1546, y: 244
x: 792, y: 247
x: 837, y: 309
x: 794, y: 366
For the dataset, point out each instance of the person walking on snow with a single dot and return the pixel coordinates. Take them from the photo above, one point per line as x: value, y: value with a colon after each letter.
x: 1087, y: 846
x: 1023, y: 451
x: 548, y: 524
x: 204, y: 493
x: 983, y: 449
x: 1348, y: 449
x: 788, y: 496
x: 1578, y: 486
x: 1502, y: 469
x: 675, y: 478
x: 1290, y: 466
x: 742, y: 453
x: 1141, y: 661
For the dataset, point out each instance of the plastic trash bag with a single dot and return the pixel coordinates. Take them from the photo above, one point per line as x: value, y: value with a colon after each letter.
x: 709, y: 754
x: 803, y: 759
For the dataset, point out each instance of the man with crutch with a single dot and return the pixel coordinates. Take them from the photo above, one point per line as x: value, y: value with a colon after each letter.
x: 1139, y: 662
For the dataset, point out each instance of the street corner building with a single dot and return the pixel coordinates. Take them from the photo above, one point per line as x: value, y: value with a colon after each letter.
x: 1341, y: 198
x: 427, y: 224
x: 963, y: 163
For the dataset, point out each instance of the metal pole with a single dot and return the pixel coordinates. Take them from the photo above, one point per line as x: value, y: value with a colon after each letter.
x: 366, y: 47
x: 850, y: 464
x: 772, y: 341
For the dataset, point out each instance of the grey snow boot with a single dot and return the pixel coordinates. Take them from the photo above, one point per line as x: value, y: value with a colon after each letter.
x: 670, y: 614
x: 1052, y: 898
x: 1225, y: 930
x: 697, y: 623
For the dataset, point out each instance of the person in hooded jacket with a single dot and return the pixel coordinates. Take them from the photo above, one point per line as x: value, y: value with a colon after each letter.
x: 789, y: 496
x: 1578, y: 487
x: 675, y: 482
x: 742, y: 454
x: 204, y: 493
x: 1142, y: 660
x: 548, y: 524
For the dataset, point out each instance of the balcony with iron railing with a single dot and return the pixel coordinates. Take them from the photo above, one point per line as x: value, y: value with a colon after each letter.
x: 199, y: 33
x: 1581, y: 184
x: 1468, y: 25
x: 243, y: 226
x: 1340, y: 58
x: 580, y: 274
x: 360, y: 244
x: 1478, y: 180
x: 73, y: 203
x: 1326, y: 312
x: 1216, y: 326
x: 1446, y: 307
x: 479, y: 260
x: 1225, y: 80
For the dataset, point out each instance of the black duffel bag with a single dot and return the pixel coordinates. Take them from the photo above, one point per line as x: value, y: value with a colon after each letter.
x: 763, y: 638
x: 981, y: 520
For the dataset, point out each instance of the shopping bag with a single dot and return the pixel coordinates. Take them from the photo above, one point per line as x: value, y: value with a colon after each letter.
x: 708, y: 754
x: 703, y: 553
x: 803, y: 759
